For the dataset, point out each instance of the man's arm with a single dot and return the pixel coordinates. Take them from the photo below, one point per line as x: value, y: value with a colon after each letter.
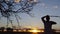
x: 53, y: 22
x: 43, y: 19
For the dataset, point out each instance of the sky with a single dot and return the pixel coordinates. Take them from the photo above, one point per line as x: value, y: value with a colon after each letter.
x: 45, y: 7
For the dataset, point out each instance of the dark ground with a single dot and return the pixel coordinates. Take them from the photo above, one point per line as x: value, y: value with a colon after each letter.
x: 22, y: 33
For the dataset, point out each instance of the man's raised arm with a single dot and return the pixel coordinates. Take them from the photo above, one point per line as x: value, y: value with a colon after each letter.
x: 43, y: 19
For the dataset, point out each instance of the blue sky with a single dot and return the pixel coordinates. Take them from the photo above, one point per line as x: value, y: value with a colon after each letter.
x: 50, y: 7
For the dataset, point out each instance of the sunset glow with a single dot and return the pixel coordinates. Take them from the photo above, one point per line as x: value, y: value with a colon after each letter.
x: 17, y: 1
x: 35, y: 30
x: 27, y: 14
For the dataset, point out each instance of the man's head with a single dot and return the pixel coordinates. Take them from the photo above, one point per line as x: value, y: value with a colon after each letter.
x: 47, y: 17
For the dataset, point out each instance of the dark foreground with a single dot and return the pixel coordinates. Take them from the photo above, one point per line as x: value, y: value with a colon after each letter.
x: 23, y: 33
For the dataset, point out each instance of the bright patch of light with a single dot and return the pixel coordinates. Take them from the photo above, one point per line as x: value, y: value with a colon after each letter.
x: 14, y: 30
x: 35, y: 0
x: 17, y: 1
x: 35, y: 30
x: 19, y: 30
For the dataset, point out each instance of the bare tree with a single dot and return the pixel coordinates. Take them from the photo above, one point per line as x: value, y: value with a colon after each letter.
x: 9, y: 7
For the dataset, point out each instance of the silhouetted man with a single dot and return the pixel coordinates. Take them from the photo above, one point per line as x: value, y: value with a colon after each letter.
x: 47, y: 24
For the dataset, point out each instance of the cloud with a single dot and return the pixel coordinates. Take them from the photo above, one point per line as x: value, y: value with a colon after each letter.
x: 42, y: 4
x: 35, y: 0
x: 55, y: 7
